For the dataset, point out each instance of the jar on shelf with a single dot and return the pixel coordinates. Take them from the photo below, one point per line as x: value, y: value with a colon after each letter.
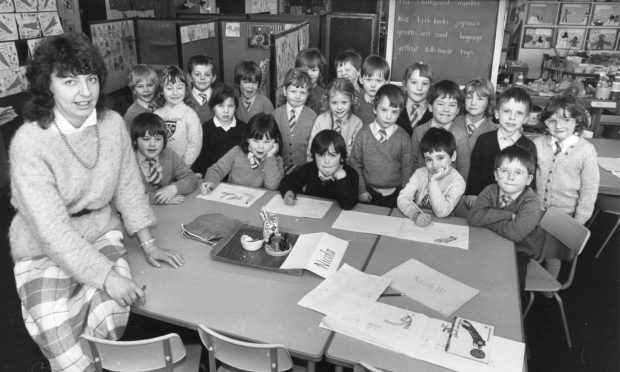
x: 603, y: 89
x: 520, y: 80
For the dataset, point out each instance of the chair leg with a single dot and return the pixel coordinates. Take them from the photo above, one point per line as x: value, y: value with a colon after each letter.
x: 529, y: 305
x: 611, y: 233
x: 596, y: 210
x: 561, y: 305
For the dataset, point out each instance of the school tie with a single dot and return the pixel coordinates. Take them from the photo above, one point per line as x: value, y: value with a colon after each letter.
x: 151, y: 107
x: 413, y: 114
x: 558, y: 148
x: 247, y: 104
x: 292, y: 119
x: 471, y: 129
x: 382, y: 135
x: 426, y: 201
x: 204, y: 98
x: 338, y: 125
x: 254, y: 161
x: 504, y: 201
x: 154, y: 176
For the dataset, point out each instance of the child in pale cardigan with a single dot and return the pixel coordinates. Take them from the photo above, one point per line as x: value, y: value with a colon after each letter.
x: 255, y: 162
x: 165, y: 175
x: 437, y: 186
x: 567, y: 176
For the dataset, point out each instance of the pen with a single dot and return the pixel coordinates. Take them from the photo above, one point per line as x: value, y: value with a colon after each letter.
x: 392, y: 295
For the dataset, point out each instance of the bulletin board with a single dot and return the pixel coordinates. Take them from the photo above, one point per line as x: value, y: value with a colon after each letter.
x: 199, y: 37
x: 116, y: 40
x: 157, y: 41
x: 458, y: 39
x: 284, y: 49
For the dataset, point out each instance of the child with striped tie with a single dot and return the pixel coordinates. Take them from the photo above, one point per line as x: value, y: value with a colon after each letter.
x: 143, y: 82
x: 479, y: 108
x: 381, y: 153
x: 437, y: 186
x: 340, y: 97
x: 417, y: 81
x: 165, y: 175
x: 295, y: 119
x: 202, y: 75
x: 248, y: 77
x: 255, y: 162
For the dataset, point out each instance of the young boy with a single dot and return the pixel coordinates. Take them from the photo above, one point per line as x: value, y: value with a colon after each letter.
x: 348, y: 64
x: 375, y: 73
x: 248, y: 76
x: 143, y: 82
x: 295, y: 119
x: 512, y: 109
x: 223, y: 131
x: 511, y: 208
x: 202, y: 74
x: 436, y: 186
x: 165, y: 175
x: 381, y: 153
x: 445, y: 99
x: 417, y: 81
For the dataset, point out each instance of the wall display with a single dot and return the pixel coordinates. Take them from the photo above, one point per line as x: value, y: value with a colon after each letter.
x: 233, y: 29
x: 542, y: 13
x: 570, y: 39
x: 574, y: 14
x: 25, y: 6
x: 8, y: 56
x: 28, y: 25
x: 50, y: 23
x: 47, y: 6
x: 8, y: 27
x: 602, y: 38
x: 258, y: 34
x: 287, y: 48
x: 13, y: 81
x: 606, y: 15
x: 261, y: 6
x: 116, y: 42
x: 195, y: 32
x: 32, y: 45
x: 537, y: 37
x: 7, y: 7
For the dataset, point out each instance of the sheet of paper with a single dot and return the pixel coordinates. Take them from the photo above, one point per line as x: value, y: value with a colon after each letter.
x: 609, y: 164
x: 617, y: 174
x: 328, y: 296
x: 320, y: 253
x: 305, y: 207
x: 404, y: 228
x: 233, y: 195
x: 430, y: 287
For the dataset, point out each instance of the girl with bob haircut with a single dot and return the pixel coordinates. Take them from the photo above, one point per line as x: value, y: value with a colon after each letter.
x: 255, y: 162
x: 326, y: 176
x: 66, y: 238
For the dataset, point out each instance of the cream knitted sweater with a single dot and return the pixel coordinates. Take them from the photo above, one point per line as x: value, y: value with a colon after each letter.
x: 49, y: 185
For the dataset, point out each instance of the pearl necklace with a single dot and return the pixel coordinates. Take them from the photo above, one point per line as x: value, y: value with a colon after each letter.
x: 75, y: 155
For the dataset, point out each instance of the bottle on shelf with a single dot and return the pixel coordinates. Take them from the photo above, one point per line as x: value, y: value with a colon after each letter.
x: 615, y: 88
x: 520, y: 80
x: 603, y: 89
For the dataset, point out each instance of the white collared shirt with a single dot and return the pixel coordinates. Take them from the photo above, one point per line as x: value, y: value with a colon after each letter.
x: 476, y: 124
x: 507, y: 140
x: 435, y: 125
x: 570, y: 141
x: 196, y: 93
x: 374, y: 128
x: 67, y: 128
x: 296, y: 109
x: 218, y: 124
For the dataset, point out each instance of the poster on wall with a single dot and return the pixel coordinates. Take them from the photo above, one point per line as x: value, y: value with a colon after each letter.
x: 7, y: 7
x: 8, y: 56
x: 233, y: 29
x: 32, y: 45
x: 570, y: 39
x: 537, y: 37
x: 50, y: 23
x: 47, y: 6
x: 602, y: 38
x: 606, y: 15
x: 26, y: 6
x: 542, y: 13
x: 287, y: 48
x: 8, y: 27
x: 304, y: 37
x: 116, y: 42
x: 28, y: 25
x: 574, y: 14
x: 197, y: 32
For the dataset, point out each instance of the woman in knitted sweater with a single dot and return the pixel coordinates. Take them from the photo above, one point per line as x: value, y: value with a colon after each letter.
x: 73, y: 172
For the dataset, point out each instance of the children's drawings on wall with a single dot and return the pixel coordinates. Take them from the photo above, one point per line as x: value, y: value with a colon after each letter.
x: 47, y: 5
x: 7, y: 6
x: 28, y: 25
x: 197, y: 32
x: 50, y: 23
x: 261, y: 6
x: 287, y: 48
x: 12, y: 81
x: 8, y: 28
x: 116, y: 42
x: 601, y: 38
x: 304, y: 37
x: 32, y: 45
x: 8, y: 56
x: 233, y: 29
x: 26, y: 5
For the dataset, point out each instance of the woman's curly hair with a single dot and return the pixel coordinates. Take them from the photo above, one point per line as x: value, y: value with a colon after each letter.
x: 68, y: 54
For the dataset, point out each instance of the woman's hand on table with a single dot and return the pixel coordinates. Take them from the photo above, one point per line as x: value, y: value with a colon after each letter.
x: 155, y: 254
x: 123, y: 290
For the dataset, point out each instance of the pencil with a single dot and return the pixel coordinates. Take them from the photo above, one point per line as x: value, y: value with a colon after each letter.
x: 419, y: 209
x: 392, y: 295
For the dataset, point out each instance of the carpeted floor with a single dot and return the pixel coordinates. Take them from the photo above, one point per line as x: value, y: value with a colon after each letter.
x: 592, y: 308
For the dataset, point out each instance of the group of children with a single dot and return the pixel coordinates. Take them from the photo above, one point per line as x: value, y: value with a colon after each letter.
x: 425, y: 146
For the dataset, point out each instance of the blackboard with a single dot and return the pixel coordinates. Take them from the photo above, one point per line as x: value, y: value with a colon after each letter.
x: 355, y: 31
x: 457, y: 38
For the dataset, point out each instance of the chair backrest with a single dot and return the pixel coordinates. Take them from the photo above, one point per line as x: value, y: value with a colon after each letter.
x: 159, y: 353
x: 570, y: 232
x: 365, y: 367
x: 247, y: 356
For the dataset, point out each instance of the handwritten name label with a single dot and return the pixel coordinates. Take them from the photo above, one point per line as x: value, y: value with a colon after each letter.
x: 326, y: 260
x: 429, y: 285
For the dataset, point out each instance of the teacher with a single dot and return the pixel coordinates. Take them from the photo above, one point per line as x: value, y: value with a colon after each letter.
x: 74, y: 184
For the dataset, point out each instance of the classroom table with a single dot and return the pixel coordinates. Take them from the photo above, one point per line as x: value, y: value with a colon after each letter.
x: 244, y: 302
x: 488, y: 265
x: 609, y: 184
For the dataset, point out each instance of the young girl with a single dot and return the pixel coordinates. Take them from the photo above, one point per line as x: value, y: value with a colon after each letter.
x: 164, y: 174
x: 313, y: 61
x: 340, y: 96
x: 223, y: 131
x: 417, y: 81
x: 567, y: 176
x: 248, y: 76
x: 182, y: 124
x: 255, y: 162
x: 327, y: 176
x: 479, y: 109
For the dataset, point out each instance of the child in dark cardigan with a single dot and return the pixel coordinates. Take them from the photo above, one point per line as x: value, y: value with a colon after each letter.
x: 327, y: 176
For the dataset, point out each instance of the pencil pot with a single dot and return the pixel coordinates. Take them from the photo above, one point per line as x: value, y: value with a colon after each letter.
x: 270, y: 228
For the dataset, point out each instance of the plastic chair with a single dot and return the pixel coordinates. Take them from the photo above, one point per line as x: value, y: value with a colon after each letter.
x: 247, y: 356
x: 164, y: 353
x: 607, y: 204
x: 365, y: 367
x: 575, y: 236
